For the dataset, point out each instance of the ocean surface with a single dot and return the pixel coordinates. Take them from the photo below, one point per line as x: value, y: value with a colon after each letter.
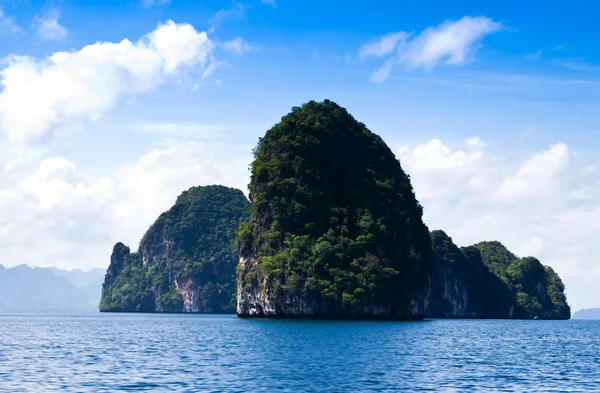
x: 199, y: 353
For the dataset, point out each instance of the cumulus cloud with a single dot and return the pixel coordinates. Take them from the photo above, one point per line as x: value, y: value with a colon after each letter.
x: 541, y: 205
x: 48, y: 27
x: 150, y: 185
x: 41, y: 97
x: 541, y: 169
x: 56, y: 183
x: 57, y: 216
x: 452, y: 42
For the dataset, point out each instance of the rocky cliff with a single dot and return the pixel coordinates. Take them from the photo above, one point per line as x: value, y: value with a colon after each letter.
x: 335, y: 229
x: 186, y: 260
x: 488, y: 281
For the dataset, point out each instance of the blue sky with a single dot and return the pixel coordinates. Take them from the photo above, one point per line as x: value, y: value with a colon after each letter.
x: 538, y: 70
x: 491, y: 108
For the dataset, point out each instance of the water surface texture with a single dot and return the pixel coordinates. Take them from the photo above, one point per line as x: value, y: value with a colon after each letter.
x: 193, y: 353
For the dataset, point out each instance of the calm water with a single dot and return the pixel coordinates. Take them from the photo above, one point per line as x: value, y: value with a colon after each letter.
x: 185, y: 353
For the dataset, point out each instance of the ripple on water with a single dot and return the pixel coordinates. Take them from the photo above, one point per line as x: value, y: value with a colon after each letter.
x: 194, y: 353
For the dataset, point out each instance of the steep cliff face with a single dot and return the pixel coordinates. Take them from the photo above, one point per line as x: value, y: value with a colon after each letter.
x: 335, y: 230
x: 462, y: 286
x: 117, y: 262
x: 257, y: 300
x: 186, y: 260
x: 488, y: 281
x: 126, y: 285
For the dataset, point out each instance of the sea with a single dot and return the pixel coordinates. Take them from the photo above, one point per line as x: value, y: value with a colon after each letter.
x: 216, y: 353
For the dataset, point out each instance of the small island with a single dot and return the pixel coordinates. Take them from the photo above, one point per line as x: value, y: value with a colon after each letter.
x: 186, y: 260
x: 333, y: 229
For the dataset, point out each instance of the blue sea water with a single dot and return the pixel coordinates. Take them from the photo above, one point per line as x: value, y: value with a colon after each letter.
x: 199, y: 353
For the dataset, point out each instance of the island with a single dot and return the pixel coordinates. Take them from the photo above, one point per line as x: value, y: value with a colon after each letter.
x: 186, y: 261
x: 333, y: 229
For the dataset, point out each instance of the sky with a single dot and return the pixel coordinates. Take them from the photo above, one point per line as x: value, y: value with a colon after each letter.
x: 110, y: 109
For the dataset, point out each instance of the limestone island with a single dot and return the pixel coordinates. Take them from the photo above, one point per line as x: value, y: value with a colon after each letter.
x: 333, y: 229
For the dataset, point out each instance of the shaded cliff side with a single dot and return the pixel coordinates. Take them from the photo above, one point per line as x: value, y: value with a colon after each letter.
x: 186, y: 260
x: 335, y: 229
x: 488, y: 281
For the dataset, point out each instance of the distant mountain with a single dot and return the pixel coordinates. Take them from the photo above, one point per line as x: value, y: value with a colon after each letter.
x: 26, y: 289
x: 93, y: 291
x: 78, y: 277
x: 590, y: 313
x: 89, y: 282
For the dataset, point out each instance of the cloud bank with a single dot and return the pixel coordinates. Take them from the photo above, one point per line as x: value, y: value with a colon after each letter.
x: 543, y: 205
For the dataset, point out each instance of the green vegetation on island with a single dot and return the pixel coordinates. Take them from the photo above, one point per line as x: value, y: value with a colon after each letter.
x: 538, y: 289
x: 335, y: 228
x: 186, y: 260
x: 491, y: 282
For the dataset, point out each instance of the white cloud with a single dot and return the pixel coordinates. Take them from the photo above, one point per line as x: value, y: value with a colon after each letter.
x: 452, y: 43
x: 8, y: 24
x: 57, y: 184
x: 48, y: 27
x: 236, y: 45
x: 543, y: 205
x: 382, y: 73
x: 150, y: 185
x: 212, y: 68
x: 540, y: 170
x: 57, y: 216
x: 383, y: 45
x: 41, y: 97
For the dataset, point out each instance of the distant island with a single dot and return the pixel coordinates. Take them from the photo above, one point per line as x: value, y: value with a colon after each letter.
x: 333, y: 229
x: 589, y: 313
